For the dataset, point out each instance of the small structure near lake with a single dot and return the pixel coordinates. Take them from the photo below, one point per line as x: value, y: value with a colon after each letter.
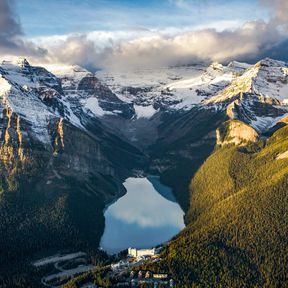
x: 133, y: 252
x: 160, y: 276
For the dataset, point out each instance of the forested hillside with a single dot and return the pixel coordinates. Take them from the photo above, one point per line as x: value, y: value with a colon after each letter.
x: 238, y: 224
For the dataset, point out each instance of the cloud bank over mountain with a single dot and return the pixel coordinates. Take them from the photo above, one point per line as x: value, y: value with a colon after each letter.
x: 250, y: 42
x: 152, y: 48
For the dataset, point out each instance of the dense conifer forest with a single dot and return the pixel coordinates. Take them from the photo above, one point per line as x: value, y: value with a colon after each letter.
x: 237, y: 232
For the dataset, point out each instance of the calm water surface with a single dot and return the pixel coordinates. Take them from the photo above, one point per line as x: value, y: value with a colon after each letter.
x: 147, y: 215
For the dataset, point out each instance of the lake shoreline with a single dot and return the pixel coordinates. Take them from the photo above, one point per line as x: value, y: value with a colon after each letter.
x: 143, y: 217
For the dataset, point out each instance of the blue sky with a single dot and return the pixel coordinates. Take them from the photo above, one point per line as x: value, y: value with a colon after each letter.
x: 54, y: 17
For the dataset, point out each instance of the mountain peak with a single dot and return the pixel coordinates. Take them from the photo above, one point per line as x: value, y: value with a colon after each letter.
x: 267, y: 78
x: 62, y: 70
x: 216, y: 66
x: 268, y: 62
x: 20, y: 62
x: 238, y: 65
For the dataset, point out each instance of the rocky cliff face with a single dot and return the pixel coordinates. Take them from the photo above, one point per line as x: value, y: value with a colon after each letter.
x: 235, y: 132
x: 86, y: 91
x: 59, y: 166
x: 35, y: 109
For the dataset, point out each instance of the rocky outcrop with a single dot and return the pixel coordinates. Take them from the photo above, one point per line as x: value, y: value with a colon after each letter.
x: 108, y: 101
x: 235, y: 132
x: 283, y: 155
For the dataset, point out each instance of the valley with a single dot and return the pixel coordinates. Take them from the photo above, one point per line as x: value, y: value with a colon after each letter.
x: 78, y: 147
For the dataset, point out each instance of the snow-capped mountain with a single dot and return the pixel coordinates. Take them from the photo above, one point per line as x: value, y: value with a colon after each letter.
x: 174, y: 88
x: 258, y: 97
x: 39, y: 117
x: 255, y: 94
x: 266, y: 79
x: 83, y: 90
x: 32, y: 93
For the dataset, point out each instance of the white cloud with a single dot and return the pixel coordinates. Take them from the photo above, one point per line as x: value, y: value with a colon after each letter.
x: 144, y: 48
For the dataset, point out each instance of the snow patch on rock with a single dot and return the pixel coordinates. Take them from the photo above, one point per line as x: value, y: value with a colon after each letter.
x: 144, y: 111
x: 264, y: 123
x: 92, y: 104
